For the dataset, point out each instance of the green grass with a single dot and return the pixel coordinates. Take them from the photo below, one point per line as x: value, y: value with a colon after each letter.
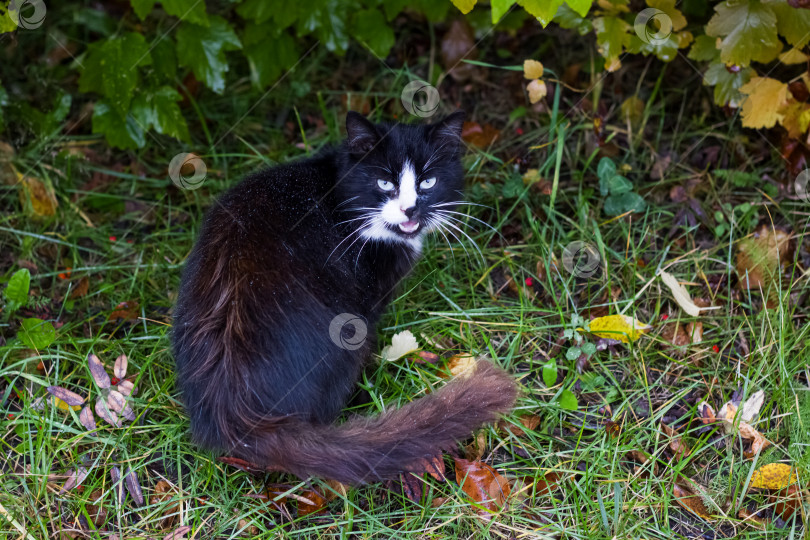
x: 454, y: 299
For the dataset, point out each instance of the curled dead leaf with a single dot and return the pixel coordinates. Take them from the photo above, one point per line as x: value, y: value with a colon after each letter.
x: 74, y: 479
x: 134, y: 487
x: 482, y: 484
x: 692, y: 502
x: 676, y: 443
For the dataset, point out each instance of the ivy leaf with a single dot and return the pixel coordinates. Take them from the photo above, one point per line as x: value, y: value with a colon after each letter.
x: 500, y: 8
x: 793, y: 23
x: 110, y: 69
x: 257, y: 11
x: 36, y: 333
x: 618, y: 204
x: 203, y: 50
x: 569, y: 19
x: 611, y: 37
x: 164, y: 61
x: 160, y: 110
x: 726, y: 83
x: 192, y: 11
x: 606, y: 169
x: 16, y: 292
x: 142, y: 8
x: 748, y: 32
x: 703, y: 49
x: 582, y: 7
x: 121, y: 131
x: 327, y: 23
x: 543, y: 10
x: 765, y: 96
x: 370, y: 29
x: 464, y: 6
x: 268, y: 57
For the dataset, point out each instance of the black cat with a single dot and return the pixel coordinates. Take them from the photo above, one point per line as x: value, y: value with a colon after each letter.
x: 282, y: 293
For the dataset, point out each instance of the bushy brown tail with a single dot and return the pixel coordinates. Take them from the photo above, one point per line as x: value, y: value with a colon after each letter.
x: 363, y: 450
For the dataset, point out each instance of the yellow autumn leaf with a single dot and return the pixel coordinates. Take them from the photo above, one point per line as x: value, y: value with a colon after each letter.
x: 793, y: 56
x: 537, y: 90
x: 766, y: 97
x: 532, y: 69
x: 461, y: 365
x: 621, y: 327
x: 774, y: 476
x: 464, y: 6
x: 64, y: 406
x: 36, y: 195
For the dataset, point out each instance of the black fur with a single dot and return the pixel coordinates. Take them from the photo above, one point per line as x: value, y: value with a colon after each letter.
x: 276, y: 262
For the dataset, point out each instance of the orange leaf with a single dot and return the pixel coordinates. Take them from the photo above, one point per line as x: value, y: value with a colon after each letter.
x: 482, y: 484
x: 687, y: 499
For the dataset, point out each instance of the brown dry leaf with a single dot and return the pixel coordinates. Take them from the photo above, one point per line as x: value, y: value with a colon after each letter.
x: 547, y: 485
x: 120, y: 369
x: 125, y: 311
x: 461, y: 365
x: 482, y: 484
x: 478, y: 135
x: 98, y: 372
x: 96, y: 511
x: 761, y: 256
x: 37, y: 197
x: 310, y: 502
x: 118, y: 486
x: 475, y: 450
x: 134, y: 487
x: 774, y: 476
x: 179, y: 533
x: 71, y: 398
x: 87, y: 419
x: 425, y: 357
x: 685, y: 497
x: 749, y: 517
x: 681, y: 335
x: 758, y: 442
x: 80, y: 289
x: 74, y: 479
x: 787, y: 501
x: 163, y: 496
x: 457, y: 44
x: 338, y: 488
x: 676, y: 444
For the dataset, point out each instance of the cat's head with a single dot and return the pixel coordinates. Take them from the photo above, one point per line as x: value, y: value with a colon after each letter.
x: 398, y: 180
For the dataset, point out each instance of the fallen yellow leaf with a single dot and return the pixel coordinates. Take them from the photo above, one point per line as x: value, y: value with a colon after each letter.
x: 37, y: 197
x: 537, y: 90
x: 774, y: 476
x: 765, y: 96
x: 532, y: 69
x: 621, y: 327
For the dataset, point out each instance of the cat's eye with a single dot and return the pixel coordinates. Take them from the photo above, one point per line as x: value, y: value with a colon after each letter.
x: 427, y: 184
x: 385, y: 185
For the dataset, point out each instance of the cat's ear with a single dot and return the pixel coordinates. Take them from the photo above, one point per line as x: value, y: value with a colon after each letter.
x: 448, y: 130
x: 362, y: 133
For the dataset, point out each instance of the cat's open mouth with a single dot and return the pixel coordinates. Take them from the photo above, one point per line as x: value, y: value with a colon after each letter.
x: 409, y: 227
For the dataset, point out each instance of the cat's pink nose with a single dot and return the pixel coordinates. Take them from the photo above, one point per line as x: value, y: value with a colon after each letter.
x: 408, y: 211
